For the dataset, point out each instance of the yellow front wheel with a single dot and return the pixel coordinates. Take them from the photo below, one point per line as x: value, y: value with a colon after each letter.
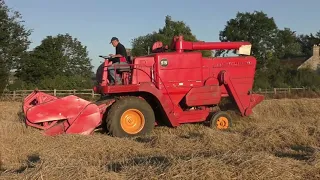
x: 130, y: 116
x: 132, y: 121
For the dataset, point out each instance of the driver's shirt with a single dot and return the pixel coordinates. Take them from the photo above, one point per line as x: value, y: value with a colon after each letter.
x: 120, y: 49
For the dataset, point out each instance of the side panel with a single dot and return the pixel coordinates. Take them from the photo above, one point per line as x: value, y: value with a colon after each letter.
x: 236, y: 76
x: 174, y: 113
x: 206, y: 95
x: 178, y: 70
x: 244, y: 100
x: 165, y: 102
x: 142, y: 70
x: 177, y: 73
x: 240, y: 69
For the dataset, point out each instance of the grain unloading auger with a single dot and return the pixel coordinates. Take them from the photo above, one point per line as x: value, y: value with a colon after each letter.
x: 169, y: 88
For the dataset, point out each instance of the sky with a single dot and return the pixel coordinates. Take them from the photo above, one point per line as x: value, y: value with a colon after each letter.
x: 94, y: 22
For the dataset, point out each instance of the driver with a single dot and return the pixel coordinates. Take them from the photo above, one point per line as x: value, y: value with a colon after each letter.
x: 119, y: 58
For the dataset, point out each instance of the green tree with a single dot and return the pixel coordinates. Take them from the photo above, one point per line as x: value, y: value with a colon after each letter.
x: 287, y: 44
x: 256, y: 28
x: 171, y: 28
x: 270, y: 45
x: 262, y: 32
x: 61, y: 56
x: 13, y: 41
x: 307, y: 42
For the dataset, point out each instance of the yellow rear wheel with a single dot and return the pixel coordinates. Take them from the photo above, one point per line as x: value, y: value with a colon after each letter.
x: 221, y: 121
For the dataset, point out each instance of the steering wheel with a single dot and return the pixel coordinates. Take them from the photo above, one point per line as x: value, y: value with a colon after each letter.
x: 105, y: 57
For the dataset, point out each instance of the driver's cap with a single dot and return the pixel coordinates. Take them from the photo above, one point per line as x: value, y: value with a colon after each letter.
x: 114, y: 38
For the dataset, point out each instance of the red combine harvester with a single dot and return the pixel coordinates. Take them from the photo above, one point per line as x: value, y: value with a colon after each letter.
x: 164, y: 87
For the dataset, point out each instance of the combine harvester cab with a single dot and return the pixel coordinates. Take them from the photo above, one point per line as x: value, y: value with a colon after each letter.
x: 170, y: 88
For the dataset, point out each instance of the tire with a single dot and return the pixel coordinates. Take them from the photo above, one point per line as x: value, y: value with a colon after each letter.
x: 99, y: 73
x: 135, y: 109
x: 221, y: 121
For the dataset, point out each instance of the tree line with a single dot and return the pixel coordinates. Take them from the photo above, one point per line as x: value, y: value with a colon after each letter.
x: 63, y: 62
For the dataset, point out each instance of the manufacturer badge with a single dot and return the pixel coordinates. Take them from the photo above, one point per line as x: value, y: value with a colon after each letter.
x: 164, y: 62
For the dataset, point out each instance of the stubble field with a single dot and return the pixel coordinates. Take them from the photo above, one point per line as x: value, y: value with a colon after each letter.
x: 281, y: 140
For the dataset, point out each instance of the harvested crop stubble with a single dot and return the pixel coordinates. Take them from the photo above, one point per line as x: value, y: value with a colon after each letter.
x: 281, y: 140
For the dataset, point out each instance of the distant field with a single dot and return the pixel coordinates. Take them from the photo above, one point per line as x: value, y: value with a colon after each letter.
x: 280, y: 141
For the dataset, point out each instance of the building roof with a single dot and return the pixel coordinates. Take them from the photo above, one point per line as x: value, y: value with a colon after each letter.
x: 294, y: 62
x: 313, y: 62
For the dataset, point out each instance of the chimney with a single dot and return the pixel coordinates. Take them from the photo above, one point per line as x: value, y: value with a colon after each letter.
x: 316, y: 51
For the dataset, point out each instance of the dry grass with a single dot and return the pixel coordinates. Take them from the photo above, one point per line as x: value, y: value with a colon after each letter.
x: 280, y: 141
